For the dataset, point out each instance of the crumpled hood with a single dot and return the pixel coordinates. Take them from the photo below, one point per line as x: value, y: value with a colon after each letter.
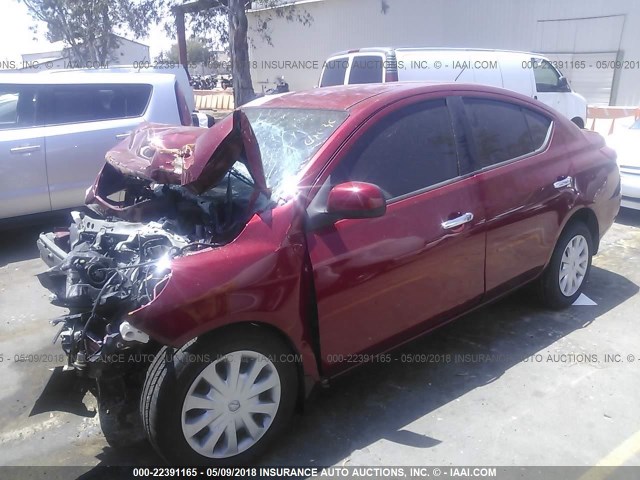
x: 195, y: 157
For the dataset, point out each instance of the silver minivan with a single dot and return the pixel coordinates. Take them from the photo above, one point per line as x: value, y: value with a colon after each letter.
x: 56, y: 129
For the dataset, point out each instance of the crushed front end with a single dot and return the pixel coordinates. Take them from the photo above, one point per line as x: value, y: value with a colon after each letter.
x: 164, y: 193
x: 101, y: 269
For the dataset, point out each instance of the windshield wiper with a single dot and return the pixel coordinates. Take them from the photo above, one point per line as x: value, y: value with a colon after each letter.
x: 241, y: 177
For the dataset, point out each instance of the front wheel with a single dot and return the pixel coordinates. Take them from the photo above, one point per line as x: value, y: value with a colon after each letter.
x: 564, y: 278
x: 118, y: 396
x: 221, y: 401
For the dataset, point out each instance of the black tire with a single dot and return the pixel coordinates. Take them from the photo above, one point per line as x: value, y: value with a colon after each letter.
x: 168, y: 382
x: 548, y: 286
x: 118, y: 413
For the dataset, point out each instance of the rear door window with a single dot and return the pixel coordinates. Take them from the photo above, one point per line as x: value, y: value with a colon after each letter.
x: 90, y: 103
x: 503, y: 131
x: 539, y: 126
x: 17, y: 106
x: 366, y: 69
x: 334, y: 72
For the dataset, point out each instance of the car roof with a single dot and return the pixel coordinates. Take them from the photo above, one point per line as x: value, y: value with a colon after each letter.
x: 82, y: 77
x: 352, y: 97
x: 429, y: 49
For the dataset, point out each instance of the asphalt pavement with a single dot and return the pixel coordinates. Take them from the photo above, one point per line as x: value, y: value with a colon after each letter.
x: 510, y: 384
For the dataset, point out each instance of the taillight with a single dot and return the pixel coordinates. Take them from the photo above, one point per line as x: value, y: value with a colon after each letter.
x: 183, y: 108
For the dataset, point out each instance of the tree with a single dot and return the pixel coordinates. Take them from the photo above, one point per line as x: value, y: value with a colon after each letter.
x: 197, y: 52
x: 87, y: 26
x: 228, y: 20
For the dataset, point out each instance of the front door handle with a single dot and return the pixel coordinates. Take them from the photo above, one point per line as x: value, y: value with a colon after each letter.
x: 563, y: 182
x: 25, y: 149
x: 458, y: 221
x: 120, y: 136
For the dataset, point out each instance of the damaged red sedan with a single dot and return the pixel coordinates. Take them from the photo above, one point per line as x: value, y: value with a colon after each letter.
x: 224, y: 272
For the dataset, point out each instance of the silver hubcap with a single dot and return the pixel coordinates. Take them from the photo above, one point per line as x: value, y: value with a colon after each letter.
x: 573, y: 266
x: 231, y: 404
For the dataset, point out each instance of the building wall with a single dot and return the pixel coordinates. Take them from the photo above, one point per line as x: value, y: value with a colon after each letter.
x: 126, y: 53
x: 37, y: 57
x: 129, y: 52
x: 571, y: 29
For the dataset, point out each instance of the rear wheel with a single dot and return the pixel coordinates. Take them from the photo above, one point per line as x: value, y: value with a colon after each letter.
x: 564, y: 278
x: 220, y: 401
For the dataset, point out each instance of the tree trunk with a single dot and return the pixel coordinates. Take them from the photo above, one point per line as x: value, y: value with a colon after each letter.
x: 240, y: 68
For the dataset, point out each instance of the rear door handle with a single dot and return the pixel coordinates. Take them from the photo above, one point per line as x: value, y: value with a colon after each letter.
x: 25, y: 149
x: 458, y: 221
x: 120, y: 136
x: 563, y: 183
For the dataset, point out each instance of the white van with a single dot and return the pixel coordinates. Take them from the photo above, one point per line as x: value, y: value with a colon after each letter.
x: 526, y: 73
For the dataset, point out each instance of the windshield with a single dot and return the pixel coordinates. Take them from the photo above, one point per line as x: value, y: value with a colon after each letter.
x: 288, y: 138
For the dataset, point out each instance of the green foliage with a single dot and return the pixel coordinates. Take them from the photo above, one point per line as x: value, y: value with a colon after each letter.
x: 197, y: 52
x: 86, y: 25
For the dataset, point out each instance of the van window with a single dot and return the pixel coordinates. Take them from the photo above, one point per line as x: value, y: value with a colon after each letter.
x: 406, y: 151
x: 90, y: 103
x: 17, y: 106
x: 334, y: 72
x: 500, y: 131
x: 546, y: 76
x: 366, y: 69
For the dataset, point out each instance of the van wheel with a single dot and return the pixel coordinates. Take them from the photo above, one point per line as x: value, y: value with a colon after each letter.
x: 221, y: 401
x: 565, y: 276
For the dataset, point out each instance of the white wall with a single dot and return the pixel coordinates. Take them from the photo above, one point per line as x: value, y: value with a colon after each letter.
x: 126, y: 53
x: 31, y: 57
x: 503, y: 24
x: 129, y: 52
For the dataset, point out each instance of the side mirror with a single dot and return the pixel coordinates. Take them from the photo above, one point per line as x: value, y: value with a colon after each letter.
x: 563, y: 84
x: 356, y: 200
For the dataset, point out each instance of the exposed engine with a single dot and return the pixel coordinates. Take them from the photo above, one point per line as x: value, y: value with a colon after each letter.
x: 164, y: 192
x: 115, y: 266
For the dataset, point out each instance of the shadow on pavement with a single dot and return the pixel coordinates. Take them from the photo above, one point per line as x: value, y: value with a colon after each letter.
x: 629, y: 217
x: 376, y: 401
x: 64, y: 392
x: 19, y: 243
